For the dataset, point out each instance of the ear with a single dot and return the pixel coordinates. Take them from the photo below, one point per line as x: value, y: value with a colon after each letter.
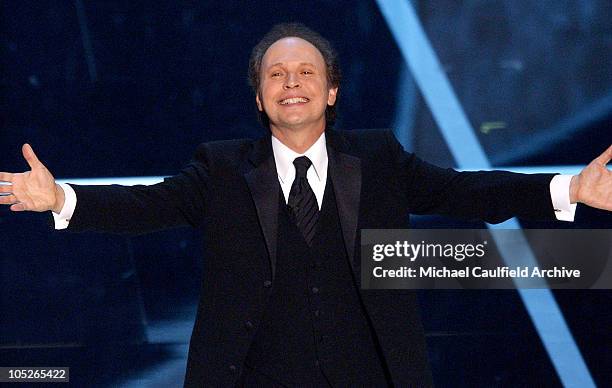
x: 258, y: 101
x: 331, y: 96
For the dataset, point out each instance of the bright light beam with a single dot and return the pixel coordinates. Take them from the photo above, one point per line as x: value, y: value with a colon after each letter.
x: 469, y: 154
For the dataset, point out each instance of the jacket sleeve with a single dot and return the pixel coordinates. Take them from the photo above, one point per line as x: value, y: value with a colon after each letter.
x: 491, y: 196
x: 177, y: 201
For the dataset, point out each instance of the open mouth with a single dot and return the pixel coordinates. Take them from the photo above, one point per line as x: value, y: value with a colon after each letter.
x: 294, y: 100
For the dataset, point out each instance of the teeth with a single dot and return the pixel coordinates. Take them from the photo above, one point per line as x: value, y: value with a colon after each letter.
x: 293, y: 100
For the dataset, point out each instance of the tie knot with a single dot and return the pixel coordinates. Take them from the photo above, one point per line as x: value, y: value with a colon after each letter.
x: 301, y: 166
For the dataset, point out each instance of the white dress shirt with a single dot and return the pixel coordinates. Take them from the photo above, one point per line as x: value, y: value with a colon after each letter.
x: 317, y: 177
x: 316, y: 173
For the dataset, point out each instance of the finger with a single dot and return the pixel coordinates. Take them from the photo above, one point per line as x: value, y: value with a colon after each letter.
x: 6, y: 177
x: 8, y: 199
x: 18, y: 207
x: 6, y: 188
x: 30, y: 156
x: 605, y: 157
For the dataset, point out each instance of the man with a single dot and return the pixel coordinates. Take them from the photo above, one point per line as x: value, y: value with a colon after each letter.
x: 281, y: 302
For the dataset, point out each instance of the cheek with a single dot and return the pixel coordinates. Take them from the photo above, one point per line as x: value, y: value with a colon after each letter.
x: 267, y: 94
x: 322, y: 88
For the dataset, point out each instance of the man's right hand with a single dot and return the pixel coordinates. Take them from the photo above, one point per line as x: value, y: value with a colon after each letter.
x: 33, y: 190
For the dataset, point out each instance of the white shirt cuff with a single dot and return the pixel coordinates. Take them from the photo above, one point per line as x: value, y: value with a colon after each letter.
x: 560, y: 195
x: 63, y: 218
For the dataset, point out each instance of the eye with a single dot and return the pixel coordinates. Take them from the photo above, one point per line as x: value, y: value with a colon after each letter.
x: 307, y: 72
x: 275, y: 74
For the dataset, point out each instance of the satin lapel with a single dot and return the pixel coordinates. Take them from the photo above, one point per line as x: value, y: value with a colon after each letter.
x: 345, y: 172
x: 262, y: 180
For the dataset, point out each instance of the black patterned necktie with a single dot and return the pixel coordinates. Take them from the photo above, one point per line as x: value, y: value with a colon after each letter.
x: 302, y: 201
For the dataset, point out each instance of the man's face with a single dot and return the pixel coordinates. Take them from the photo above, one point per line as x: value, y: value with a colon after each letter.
x: 294, y: 91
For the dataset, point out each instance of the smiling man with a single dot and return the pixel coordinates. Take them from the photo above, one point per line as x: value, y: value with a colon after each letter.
x: 281, y: 302
x: 294, y: 91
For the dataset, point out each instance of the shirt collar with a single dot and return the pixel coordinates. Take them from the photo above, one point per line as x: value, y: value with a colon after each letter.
x: 284, y: 156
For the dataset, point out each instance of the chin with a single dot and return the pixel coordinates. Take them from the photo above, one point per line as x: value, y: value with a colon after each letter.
x: 293, y: 122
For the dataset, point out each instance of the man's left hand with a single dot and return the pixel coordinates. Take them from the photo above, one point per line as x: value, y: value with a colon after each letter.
x: 593, y: 186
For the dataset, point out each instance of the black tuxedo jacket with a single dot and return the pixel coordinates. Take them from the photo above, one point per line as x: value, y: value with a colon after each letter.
x: 231, y: 192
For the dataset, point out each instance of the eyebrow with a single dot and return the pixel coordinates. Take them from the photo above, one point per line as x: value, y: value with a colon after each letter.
x: 282, y: 63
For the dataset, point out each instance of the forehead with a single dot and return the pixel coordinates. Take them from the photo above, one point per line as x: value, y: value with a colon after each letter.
x: 292, y: 49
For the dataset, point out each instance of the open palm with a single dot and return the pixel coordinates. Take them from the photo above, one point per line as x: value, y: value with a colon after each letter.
x: 33, y: 190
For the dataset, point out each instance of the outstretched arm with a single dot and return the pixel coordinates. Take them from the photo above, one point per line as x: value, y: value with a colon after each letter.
x: 33, y: 190
x: 496, y: 196
x: 177, y: 201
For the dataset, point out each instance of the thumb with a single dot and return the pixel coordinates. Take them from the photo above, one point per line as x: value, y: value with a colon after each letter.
x: 605, y: 157
x: 30, y: 156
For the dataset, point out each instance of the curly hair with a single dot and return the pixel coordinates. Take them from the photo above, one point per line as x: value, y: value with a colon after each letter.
x: 297, y: 30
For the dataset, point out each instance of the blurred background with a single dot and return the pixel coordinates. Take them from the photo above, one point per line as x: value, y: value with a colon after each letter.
x: 128, y: 89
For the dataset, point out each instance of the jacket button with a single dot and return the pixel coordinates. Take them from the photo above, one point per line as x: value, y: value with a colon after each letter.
x: 315, y: 290
x: 317, y: 313
x: 267, y: 284
x: 232, y: 368
x: 248, y: 324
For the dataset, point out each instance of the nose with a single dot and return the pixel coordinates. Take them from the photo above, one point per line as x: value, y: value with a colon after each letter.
x: 291, y: 81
